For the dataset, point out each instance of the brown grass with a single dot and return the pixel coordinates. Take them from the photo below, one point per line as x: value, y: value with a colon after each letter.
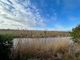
x: 41, y: 49
x: 34, y: 33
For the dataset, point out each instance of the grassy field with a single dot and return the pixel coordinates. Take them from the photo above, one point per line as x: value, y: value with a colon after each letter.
x: 34, y: 33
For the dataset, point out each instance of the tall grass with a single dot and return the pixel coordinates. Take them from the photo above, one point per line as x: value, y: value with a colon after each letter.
x: 44, y: 49
x: 34, y: 33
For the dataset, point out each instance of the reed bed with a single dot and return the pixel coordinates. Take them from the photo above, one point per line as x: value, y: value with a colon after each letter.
x: 43, y: 49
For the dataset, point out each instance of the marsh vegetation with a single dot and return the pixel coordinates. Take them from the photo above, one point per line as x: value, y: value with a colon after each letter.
x: 43, y: 47
x: 34, y: 33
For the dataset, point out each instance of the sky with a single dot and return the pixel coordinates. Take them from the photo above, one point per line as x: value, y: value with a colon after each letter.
x: 53, y: 15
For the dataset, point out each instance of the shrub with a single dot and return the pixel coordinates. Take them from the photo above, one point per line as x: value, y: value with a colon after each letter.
x: 5, y: 45
x: 75, y: 34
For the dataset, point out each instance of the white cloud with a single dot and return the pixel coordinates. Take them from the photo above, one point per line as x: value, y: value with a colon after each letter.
x: 15, y: 13
x: 7, y: 24
x: 21, y: 14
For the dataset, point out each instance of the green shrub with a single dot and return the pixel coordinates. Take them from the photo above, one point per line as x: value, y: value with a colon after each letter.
x: 75, y: 34
x: 5, y: 45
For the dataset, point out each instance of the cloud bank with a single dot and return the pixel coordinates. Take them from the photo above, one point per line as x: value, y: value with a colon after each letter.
x: 19, y: 14
x: 39, y: 14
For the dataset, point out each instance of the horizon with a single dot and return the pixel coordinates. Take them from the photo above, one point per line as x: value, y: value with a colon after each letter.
x: 31, y: 30
x: 51, y: 15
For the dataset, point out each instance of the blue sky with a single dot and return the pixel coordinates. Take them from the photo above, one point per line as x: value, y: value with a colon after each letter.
x: 60, y: 15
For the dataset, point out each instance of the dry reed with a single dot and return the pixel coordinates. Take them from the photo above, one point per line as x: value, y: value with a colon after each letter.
x: 43, y: 49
